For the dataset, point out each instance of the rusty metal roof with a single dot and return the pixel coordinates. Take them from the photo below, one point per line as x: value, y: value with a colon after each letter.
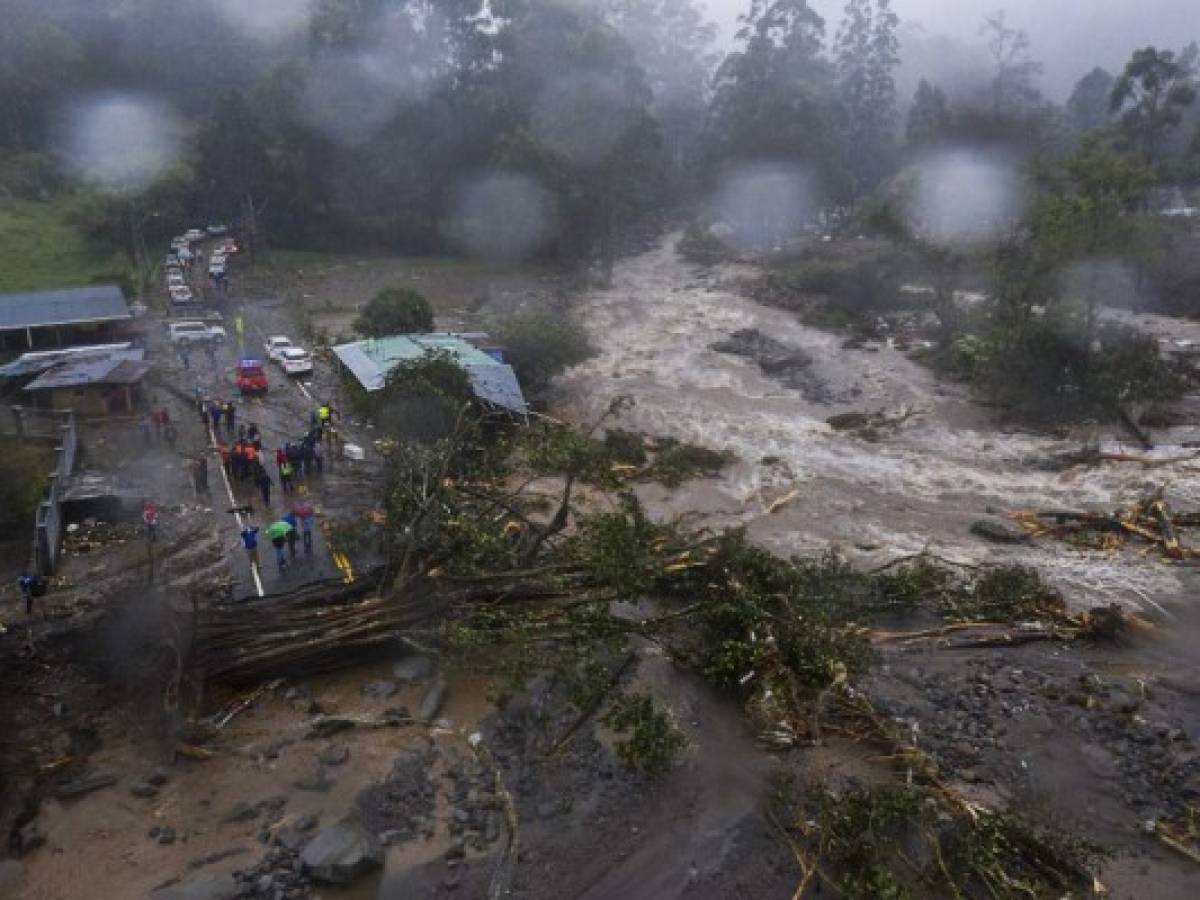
x: 121, y: 367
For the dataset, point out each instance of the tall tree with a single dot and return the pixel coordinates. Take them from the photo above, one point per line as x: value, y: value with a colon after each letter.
x: 1151, y: 96
x: 866, y: 57
x: 1015, y: 70
x: 1090, y: 214
x: 774, y: 96
x: 929, y: 116
x: 1088, y: 105
x: 672, y: 41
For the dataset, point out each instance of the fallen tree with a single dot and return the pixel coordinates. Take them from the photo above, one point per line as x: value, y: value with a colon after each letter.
x: 499, y: 563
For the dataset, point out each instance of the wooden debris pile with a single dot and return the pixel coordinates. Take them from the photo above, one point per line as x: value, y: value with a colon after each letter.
x: 312, y: 629
x: 1150, y: 523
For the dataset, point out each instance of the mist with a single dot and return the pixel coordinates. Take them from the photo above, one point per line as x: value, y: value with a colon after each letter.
x: 941, y: 37
x: 119, y: 141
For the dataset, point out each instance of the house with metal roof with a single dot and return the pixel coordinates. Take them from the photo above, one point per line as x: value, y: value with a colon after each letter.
x: 92, y: 385
x: 494, y: 381
x: 62, y: 318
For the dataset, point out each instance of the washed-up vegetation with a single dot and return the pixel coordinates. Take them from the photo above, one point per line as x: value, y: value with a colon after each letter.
x: 909, y: 841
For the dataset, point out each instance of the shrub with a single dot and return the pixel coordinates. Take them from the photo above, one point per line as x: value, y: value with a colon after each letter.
x: 540, y: 346
x: 653, y: 740
x: 23, y: 470
x: 29, y: 176
x: 395, y: 311
x: 1046, y: 370
x: 423, y: 398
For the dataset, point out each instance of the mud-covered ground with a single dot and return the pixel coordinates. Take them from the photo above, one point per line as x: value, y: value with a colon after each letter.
x: 1099, y: 740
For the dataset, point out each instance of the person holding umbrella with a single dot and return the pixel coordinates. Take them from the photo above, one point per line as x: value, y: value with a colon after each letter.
x: 278, y: 534
x: 290, y: 518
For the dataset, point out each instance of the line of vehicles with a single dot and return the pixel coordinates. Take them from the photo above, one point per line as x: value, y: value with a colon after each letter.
x: 251, y: 378
x: 249, y: 375
x: 183, y: 256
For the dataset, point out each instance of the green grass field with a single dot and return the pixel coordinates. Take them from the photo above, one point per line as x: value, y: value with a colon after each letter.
x: 40, y: 249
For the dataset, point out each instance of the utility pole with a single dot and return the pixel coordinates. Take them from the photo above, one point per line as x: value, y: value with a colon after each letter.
x: 138, y: 253
x: 250, y: 220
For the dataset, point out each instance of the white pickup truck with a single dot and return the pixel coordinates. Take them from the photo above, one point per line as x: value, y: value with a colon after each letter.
x: 195, y: 332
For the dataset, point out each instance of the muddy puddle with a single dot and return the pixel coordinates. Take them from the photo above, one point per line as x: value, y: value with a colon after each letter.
x: 266, y: 776
x: 919, y: 486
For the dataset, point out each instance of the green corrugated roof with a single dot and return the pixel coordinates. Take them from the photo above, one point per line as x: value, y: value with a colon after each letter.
x: 385, y: 352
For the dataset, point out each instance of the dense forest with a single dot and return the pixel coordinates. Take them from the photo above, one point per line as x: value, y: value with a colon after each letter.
x: 515, y: 127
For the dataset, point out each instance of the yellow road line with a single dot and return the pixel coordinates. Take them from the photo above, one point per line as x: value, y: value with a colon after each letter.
x: 343, y: 564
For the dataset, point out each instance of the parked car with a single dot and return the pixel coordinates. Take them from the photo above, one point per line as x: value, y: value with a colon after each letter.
x: 175, y: 279
x: 296, y: 361
x: 216, y: 269
x: 228, y: 247
x: 181, y: 294
x: 194, y: 234
x: 251, y: 379
x: 275, y: 345
x: 217, y: 230
x: 195, y: 332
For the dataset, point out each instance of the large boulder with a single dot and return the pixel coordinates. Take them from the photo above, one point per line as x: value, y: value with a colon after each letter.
x: 341, y: 853
x: 431, y: 703
x: 999, y: 532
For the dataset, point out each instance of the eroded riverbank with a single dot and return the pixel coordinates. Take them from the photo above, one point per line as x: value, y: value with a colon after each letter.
x: 918, y: 487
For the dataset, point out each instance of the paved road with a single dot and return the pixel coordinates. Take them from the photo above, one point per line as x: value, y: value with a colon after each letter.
x: 281, y: 415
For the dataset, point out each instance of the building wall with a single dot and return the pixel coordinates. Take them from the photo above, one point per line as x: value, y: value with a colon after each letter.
x: 94, y: 400
x: 52, y: 338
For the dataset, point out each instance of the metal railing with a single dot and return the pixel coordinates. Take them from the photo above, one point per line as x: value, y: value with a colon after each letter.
x: 34, y: 424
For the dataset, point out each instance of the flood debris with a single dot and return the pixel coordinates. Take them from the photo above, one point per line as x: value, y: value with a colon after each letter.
x: 1149, y: 522
x: 84, y: 785
x: 341, y: 853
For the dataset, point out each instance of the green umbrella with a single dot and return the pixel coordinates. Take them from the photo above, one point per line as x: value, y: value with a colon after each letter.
x: 279, y: 529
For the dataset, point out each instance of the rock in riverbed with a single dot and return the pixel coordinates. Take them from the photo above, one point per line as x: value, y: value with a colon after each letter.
x: 999, y: 532
x: 342, y: 853
x: 431, y: 705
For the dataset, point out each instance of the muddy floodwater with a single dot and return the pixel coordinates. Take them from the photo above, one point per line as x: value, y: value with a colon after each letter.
x: 919, y: 486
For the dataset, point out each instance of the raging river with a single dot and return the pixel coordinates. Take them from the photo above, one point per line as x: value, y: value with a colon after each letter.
x: 800, y: 487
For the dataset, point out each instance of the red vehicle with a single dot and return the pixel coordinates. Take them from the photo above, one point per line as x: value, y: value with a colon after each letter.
x: 251, y: 379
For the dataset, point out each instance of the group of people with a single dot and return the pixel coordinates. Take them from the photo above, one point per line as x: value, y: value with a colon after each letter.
x: 243, y: 460
x: 283, y: 534
x: 157, y: 425
x: 219, y: 411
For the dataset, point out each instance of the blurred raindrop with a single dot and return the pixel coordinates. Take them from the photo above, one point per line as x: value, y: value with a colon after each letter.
x: 346, y: 101
x: 760, y: 206
x: 119, y: 141
x: 964, y: 196
x: 501, y: 215
x: 266, y: 19
x: 351, y: 97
